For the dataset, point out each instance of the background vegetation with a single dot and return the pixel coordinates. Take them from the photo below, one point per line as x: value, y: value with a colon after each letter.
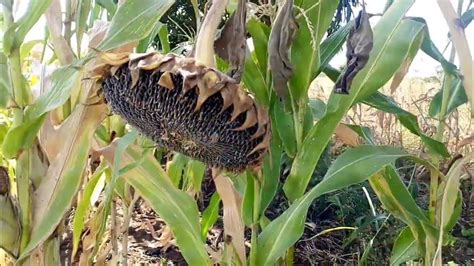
x: 381, y: 175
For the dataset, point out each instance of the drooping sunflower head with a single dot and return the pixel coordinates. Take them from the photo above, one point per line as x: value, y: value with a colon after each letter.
x: 187, y: 107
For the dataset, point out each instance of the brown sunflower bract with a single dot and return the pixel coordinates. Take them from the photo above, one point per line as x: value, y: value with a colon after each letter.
x: 186, y: 107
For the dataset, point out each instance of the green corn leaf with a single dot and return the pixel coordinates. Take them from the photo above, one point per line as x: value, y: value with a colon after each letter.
x: 407, y: 119
x: 260, y: 33
x: 164, y: 41
x: 271, y: 173
x: 58, y: 188
x: 210, y: 215
x: 21, y: 137
x: 467, y: 17
x: 284, y: 127
x: 255, y: 70
x: 353, y: 166
x: 16, y: 33
x: 176, y: 166
x: 5, y: 86
x: 396, y: 198
x: 305, y: 57
x: 82, y: 209
x: 64, y: 80
x: 194, y: 173
x: 176, y: 207
x: 248, y: 200
x: 457, y: 97
x: 404, y: 248
x: 393, y: 38
x: 133, y: 21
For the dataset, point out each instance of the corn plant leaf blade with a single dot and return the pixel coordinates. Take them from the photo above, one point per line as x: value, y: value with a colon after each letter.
x: 450, y: 198
x: 133, y: 21
x: 210, y: 215
x: 232, y: 42
x: 248, y: 200
x: 5, y: 86
x: 176, y: 207
x: 393, y: 37
x: 271, y: 174
x: 353, y: 166
x: 396, y: 198
x: 456, y: 97
x: 306, y: 59
x: 80, y: 215
x: 54, y: 195
x: 359, y: 44
x: 407, y: 119
x: 404, y: 248
x: 284, y: 127
x: 281, y: 37
x: 16, y: 33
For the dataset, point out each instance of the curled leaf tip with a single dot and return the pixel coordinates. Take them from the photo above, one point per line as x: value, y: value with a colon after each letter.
x: 359, y: 44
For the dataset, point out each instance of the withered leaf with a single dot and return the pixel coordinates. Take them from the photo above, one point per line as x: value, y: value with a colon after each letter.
x: 359, y: 44
x: 231, y: 44
x: 282, y: 35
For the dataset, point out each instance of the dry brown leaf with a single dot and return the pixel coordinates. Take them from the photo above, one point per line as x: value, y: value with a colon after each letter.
x: 398, y: 77
x: 359, y: 44
x: 282, y: 35
x: 233, y: 223
x: 231, y: 44
x: 55, y: 25
x: 347, y: 135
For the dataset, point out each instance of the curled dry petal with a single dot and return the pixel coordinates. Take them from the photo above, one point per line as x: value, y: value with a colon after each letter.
x: 359, y: 44
x: 282, y: 35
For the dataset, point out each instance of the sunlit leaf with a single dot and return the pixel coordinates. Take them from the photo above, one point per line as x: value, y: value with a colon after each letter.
x: 407, y: 119
x: 352, y: 167
x: 133, y: 21
x: 210, y: 215
x: 54, y: 195
x: 393, y: 38
x: 456, y: 97
x: 176, y: 207
x: 404, y: 248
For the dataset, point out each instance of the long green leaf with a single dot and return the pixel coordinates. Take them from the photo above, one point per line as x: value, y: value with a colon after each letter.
x: 210, y: 215
x: 404, y: 248
x: 133, y: 21
x: 82, y: 209
x: 176, y: 207
x: 352, y: 167
x: 64, y: 80
x: 16, y: 34
x: 407, y: 119
x: 389, y: 33
x: 271, y: 174
x: 456, y: 97
x: 58, y: 188
x: 305, y: 58
x: 396, y: 198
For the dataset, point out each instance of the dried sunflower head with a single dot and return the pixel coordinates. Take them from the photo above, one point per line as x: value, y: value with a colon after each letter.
x: 186, y: 107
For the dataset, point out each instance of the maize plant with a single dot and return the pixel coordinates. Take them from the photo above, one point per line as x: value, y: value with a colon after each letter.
x: 120, y: 119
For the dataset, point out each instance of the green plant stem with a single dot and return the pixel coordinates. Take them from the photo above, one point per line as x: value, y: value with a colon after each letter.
x: 23, y: 161
x: 256, y: 218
